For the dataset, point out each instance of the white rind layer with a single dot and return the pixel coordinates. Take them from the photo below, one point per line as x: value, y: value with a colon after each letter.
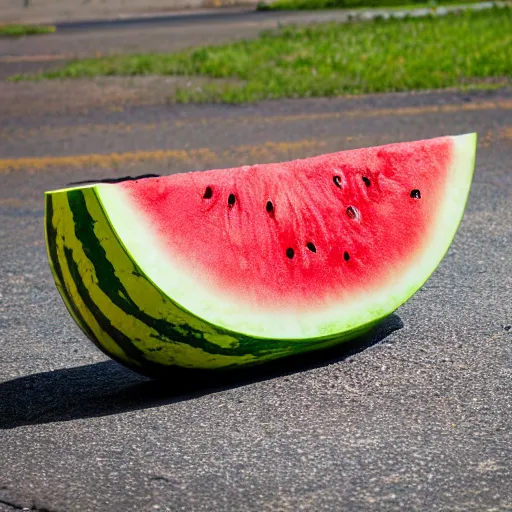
x: 155, y: 261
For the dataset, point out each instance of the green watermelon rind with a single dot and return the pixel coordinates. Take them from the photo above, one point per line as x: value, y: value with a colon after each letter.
x: 107, y: 279
x: 126, y: 315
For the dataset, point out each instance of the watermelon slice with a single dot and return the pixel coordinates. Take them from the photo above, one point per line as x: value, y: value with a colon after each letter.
x: 233, y: 267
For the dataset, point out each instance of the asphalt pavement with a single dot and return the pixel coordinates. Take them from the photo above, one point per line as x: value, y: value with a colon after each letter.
x: 415, y: 417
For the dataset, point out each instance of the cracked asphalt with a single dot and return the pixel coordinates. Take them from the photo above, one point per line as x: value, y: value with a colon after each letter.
x: 417, y: 416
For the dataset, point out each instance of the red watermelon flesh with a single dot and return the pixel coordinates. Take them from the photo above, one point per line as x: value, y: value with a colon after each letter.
x: 235, y: 267
x: 301, y: 234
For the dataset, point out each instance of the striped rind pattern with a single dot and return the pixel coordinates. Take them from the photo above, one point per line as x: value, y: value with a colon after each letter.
x: 125, y: 314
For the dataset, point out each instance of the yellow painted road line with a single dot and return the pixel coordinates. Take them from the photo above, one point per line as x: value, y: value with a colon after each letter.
x: 99, y: 160
x: 197, y: 156
x: 383, y: 112
x: 67, y: 131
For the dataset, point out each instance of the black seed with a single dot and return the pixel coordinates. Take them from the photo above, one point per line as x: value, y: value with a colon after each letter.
x: 231, y: 200
x: 352, y: 212
x: 311, y: 246
x: 346, y: 256
x: 337, y: 181
x: 290, y: 253
x: 208, y: 193
x: 415, y: 194
x: 367, y: 181
x: 270, y: 207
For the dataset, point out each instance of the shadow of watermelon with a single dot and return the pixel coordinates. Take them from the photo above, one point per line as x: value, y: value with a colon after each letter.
x: 107, y: 388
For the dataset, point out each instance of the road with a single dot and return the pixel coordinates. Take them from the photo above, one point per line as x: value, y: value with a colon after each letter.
x: 416, y: 417
x: 164, y: 33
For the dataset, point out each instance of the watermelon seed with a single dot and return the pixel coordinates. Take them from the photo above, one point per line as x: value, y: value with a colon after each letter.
x: 352, y: 213
x: 208, y: 193
x: 270, y: 207
x: 311, y: 246
x: 231, y: 200
x: 337, y: 181
x: 346, y: 256
x: 290, y: 253
x: 415, y: 194
x: 367, y: 181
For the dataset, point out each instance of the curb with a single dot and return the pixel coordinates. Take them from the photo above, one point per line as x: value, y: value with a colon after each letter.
x: 147, y: 11
x: 249, y: 7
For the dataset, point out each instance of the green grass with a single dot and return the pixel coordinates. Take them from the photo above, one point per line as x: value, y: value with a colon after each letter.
x: 469, y: 49
x: 277, y: 5
x: 25, y: 30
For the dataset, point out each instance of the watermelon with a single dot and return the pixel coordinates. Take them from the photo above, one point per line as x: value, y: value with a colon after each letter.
x: 233, y: 267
